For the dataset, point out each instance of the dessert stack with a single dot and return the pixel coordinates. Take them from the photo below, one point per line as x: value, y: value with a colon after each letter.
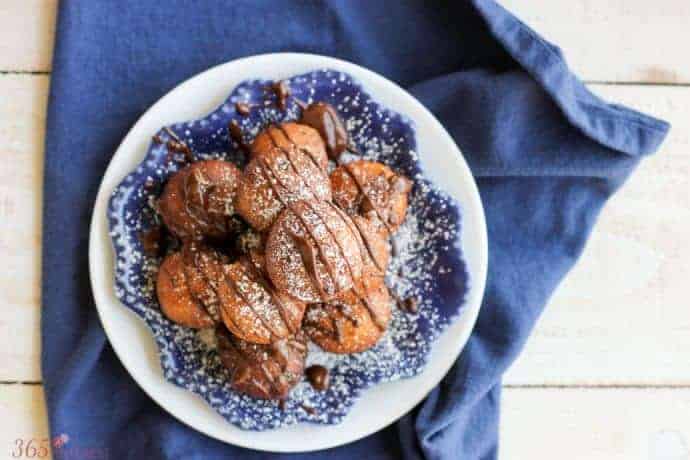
x: 282, y: 252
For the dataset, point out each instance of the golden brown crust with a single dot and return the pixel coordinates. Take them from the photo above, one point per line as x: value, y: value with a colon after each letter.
x: 198, y: 200
x: 282, y: 171
x: 312, y: 253
x: 352, y: 323
x: 366, y: 186
x: 262, y: 371
x: 292, y: 135
x: 253, y: 309
x: 375, y: 246
x: 175, y: 295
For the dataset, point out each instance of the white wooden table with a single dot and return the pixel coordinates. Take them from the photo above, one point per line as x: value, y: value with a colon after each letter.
x: 606, y: 375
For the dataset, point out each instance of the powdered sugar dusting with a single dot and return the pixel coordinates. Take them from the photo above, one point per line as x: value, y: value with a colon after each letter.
x: 427, y: 260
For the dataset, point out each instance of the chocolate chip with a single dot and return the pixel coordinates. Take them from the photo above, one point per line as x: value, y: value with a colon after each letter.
x: 308, y: 409
x: 282, y: 92
x: 410, y: 305
x: 149, y: 183
x: 324, y: 118
x: 236, y: 135
x: 318, y: 377
x: 243, y: 108
x: 151, y: 241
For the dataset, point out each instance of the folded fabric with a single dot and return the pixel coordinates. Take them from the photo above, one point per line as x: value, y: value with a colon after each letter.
x: 545, y: 151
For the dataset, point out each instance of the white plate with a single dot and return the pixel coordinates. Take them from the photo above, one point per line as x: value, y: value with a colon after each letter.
x: 132, y: 340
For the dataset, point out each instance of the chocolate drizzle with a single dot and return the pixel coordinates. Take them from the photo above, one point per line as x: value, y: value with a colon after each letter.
x: 176, y: 145
x: 198, y: 258
x: 308, y: 409
x: 319, y: 244
x: 207, y: 202
x: 360, y: 186
x: 337, y: 241
x: 174, y: 279
x: 409, y: 304
x: 282, y: 92
x: 335, y: 327
x: 196, y: 188
x: 324, y: 118
x: 265, y: 170
x: 262, y: 371
x: 188, y: 280
x: 235, y: 287
x: 150, y: 184
x: 373, y: 313
x: 318, y: 377
x: 346, y: 311
x: 237, y: 136
x: 308, y: 257
x: 362, y: 240
x: 243, y: 108
x: 367, y: 245
x: 151, y: 241
x: 258, y: 278
x: 289, y: 156
x: 309, y: 153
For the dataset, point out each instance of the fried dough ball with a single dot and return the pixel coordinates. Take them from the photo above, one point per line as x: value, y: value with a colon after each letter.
x: 354, y: 322
x: 262, y: 371
x: 288, y: 164
x: 364, y: 186
x: 292, y: 135
x: 187, y: 286
x: 197, y: 201
x: 312, y: 252
x: 253, y: 309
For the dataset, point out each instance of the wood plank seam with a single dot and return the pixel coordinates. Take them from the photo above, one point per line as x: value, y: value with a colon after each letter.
x: 594, y: 386
x: 24, y: 72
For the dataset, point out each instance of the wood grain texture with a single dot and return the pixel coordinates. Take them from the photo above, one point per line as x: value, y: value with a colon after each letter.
x: 27, y: 35
x: 22, y: 120
x: 646, y: 38
x: 621, y: 316
x: 595, y: 424
x: 615, y: 40
x: 592, y: 424
x: 22, y: 419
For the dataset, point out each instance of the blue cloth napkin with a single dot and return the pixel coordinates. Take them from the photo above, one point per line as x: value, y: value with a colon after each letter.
x: 546, y: 154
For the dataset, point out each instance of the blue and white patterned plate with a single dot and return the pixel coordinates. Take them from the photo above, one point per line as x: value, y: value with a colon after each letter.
x: 429, y: 263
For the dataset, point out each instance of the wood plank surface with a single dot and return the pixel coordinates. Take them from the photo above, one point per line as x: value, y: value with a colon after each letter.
x: 22, y: 128
x: 592, y: 424
x: 26, y: 35
x: 595, y: 424
x: 647, y: 38
x: 615, y: 40
x: 621, y: 316
x: 22, y: 420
